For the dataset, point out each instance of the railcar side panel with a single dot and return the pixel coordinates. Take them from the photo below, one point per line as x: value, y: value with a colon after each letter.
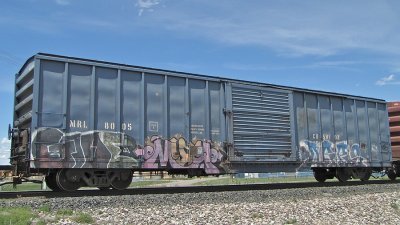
x: 341, y: 132
x: 97, y: 117
x: 262, y: 128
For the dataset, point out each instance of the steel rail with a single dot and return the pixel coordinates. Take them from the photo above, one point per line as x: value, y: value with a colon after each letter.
x: 187, y: 189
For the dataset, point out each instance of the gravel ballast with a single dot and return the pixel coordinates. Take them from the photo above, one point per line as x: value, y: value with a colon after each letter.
x: 370, y: 204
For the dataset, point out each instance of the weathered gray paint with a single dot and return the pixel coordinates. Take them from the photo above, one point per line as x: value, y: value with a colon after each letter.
x: 334, y: 122
x: 116, y: 96
x: 252, y: 122
x: 261, y: 120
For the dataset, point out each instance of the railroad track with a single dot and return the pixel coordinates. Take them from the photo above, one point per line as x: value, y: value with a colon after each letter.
x: 189, y: 189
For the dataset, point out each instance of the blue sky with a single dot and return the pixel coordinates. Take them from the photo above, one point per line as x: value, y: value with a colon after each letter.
x: 351, y: 47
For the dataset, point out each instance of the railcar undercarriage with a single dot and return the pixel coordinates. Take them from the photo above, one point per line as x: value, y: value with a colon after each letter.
x: 73, y: 179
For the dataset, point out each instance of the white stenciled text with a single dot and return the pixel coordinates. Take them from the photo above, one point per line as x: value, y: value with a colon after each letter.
x: 82, y: 124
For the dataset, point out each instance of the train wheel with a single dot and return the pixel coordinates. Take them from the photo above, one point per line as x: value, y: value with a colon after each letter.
x: 342, y: 175
x: 51, y: 182
x: 123, y: 181
x: 366, y: 176
x: 392, y: 175
x: 320, y: 175
x: 67, y: 180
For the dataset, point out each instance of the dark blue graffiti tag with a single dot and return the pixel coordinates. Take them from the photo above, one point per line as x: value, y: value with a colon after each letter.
x: 332, y: 153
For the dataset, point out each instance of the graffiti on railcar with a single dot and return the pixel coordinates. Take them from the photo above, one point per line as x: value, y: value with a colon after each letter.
x: 178, y: 153
x: 309, y: 150
x: 332, y: 153
x: 52, y: 148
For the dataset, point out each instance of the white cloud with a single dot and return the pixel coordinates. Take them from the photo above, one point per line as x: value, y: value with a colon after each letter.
x: 146, y: 5
x: 342, y: 65
x: 4, y: 151
x: 388, y: 80
x: 63, y: 2
x: 5, y: 144
x: 304, y: 28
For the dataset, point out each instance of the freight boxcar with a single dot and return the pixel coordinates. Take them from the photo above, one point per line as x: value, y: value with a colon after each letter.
x: 83, y: 122
x: 394, y: 122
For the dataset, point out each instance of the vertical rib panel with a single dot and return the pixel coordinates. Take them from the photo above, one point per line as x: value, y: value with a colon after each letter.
x: 261, y: 119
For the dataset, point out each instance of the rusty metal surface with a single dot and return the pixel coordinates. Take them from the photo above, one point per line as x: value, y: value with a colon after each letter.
x: 394, y: 122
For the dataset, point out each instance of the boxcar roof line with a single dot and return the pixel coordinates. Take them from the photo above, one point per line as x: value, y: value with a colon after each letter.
x: 47, y: 56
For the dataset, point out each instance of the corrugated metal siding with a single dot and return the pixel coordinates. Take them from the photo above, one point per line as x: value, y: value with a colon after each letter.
x: 81, y: 98
x: 267, y: 125
x: 394, y: 120
x: 341, y: 132
x: 261, y: 122
x: 78, y: 101
x: 24, y: 97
